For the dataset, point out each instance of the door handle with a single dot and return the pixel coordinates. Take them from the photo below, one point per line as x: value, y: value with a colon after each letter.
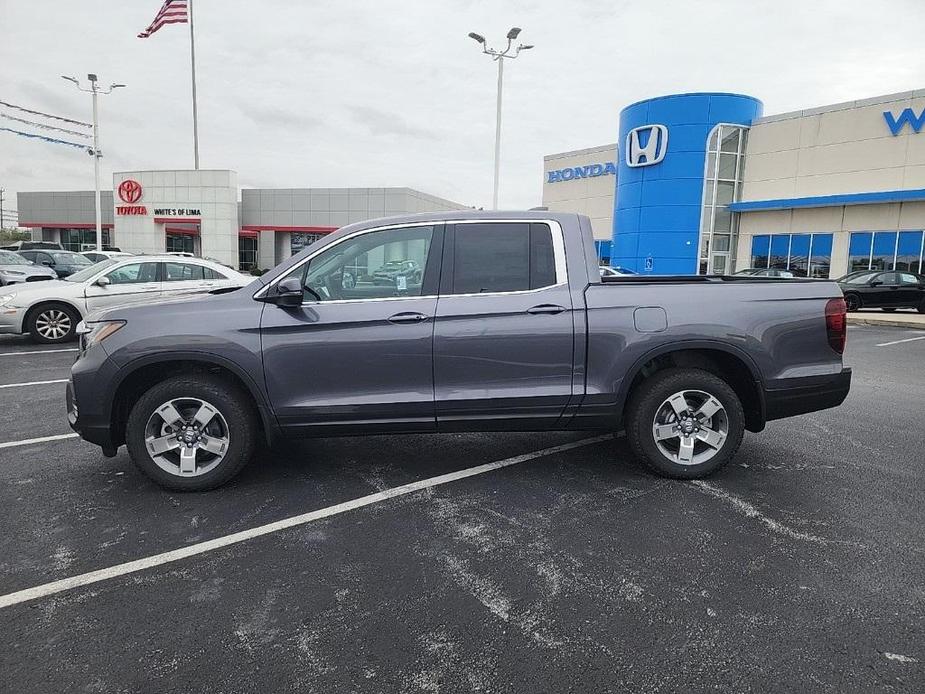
x: 551, y: 309
x: 409, y: 317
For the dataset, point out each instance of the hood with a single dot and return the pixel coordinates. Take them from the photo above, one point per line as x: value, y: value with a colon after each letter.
x: 186, y: 303
x: 28, y: 269
x: 49, y: 288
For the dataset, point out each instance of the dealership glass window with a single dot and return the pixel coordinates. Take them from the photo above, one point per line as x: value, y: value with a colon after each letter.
x: 820, y: 255
x: 180, y: 243
x: 761, y: 250
x: 78, y: 240
x: 247, y: 253
x: 859, y: 251
x: 300, y: 241
x: 909, y: 252
x: 780, y: 250
x: 886, y: 250
x: 805, y: 255
x: 397, y: 259
x: 723, y: 174
x: 798, y: 262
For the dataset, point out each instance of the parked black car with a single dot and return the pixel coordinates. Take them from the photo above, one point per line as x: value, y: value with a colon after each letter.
x: 886, y: 290
x: 18, y: 246
x: 64, y: 263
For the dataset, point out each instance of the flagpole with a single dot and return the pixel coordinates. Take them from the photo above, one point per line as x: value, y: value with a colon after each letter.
x: 192, y: 53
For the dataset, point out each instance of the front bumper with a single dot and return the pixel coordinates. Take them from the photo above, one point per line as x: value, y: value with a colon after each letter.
x: 804, y: 395
x: 88, y: 400
x: 11, y: 320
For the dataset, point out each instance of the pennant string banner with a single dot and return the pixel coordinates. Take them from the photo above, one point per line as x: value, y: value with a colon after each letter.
x: 44, y: 126
x: 46, y: 115
x: 46, y: 139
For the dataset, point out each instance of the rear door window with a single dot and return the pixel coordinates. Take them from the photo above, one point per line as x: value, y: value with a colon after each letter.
x: 496, y: 257
x: 182, y: 272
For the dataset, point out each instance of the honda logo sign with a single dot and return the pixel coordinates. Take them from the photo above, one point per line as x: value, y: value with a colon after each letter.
x: 646, y: 145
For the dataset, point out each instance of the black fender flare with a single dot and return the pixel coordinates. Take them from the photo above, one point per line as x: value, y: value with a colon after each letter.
x: 685, y: 345
x: 268, y: 418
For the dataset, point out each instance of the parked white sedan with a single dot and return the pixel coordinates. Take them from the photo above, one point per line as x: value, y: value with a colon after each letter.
x: 50, y: 310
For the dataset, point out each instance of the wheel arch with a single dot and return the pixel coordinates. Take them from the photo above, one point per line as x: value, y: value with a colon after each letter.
x: 145, y: 372
x: 41, y: 303
x: 728, y: 362
x: 856, y: 296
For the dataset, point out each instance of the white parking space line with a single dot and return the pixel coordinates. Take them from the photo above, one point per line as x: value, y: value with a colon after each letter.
x: 41, y: 439
x: 37, y: 351
x: 897, y: 342
x: 32, y: 383
x: 91, y: 577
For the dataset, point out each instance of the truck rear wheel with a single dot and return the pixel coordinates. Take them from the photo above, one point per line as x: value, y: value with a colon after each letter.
x: 192, y: 432
x: 684, y: 423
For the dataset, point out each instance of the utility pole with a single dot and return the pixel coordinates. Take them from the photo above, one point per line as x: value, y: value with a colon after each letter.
x: 96, y: 152
x: 499, y: 57
x: 1, y: 209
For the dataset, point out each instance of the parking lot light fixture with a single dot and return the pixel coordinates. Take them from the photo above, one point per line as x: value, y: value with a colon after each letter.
x: 499, y: 56
x: 95, y: 152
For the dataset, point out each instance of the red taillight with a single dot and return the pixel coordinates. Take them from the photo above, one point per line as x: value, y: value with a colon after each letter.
x: 836, y: 323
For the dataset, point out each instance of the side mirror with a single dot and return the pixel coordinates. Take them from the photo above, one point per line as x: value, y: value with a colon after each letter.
x: 103, y: 281
x: 288, y: 292
x: 875, y: 283
x: 48, y: 263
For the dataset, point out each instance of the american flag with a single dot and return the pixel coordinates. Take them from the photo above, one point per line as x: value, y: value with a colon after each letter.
x: 171, y: 12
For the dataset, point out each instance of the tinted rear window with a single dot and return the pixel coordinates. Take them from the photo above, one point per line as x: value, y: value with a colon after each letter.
x: 502, y: 257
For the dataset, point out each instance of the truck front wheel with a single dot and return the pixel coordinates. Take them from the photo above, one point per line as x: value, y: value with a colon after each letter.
x: 191, y: 432
x: 684, y: 423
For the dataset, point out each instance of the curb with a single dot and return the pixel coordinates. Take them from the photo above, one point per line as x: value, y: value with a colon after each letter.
x: 893, y: 323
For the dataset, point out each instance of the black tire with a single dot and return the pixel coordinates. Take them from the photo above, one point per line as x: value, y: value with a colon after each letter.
x: 852, y: 302
x: 646, y: 402
x: 888, y: 310
x: 235, y: 406
x: 46, y: 322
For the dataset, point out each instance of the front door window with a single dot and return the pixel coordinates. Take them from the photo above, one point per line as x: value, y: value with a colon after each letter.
x: 383, y: 264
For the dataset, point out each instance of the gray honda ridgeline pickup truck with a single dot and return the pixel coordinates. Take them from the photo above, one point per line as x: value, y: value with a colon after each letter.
x: 509, y: 327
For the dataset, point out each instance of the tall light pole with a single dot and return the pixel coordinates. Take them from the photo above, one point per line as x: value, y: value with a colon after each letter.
x: 499, y: 57
x: 96, y: 152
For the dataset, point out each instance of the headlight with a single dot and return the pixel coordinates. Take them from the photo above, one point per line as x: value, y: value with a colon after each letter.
x: 13, y: 272
x: 7, y: 298
x: 97, y: 331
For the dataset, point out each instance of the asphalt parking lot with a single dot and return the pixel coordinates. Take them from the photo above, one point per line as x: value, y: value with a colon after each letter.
x: 800, y: 567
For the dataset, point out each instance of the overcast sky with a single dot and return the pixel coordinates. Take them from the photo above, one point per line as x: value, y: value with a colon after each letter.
x: 383, y: 93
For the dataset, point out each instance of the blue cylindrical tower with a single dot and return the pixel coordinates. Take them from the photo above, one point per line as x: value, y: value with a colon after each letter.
x: 659, y: 196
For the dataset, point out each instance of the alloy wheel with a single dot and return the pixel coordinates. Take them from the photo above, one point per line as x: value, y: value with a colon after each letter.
x: 53, y: 324
x: 690, y: 427
x: 187, y: 437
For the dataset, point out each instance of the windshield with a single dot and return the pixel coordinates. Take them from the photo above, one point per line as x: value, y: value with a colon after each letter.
x: 88, y: 272
x: 7, y: 258
x: 861, y: 279
x: 68, y: 258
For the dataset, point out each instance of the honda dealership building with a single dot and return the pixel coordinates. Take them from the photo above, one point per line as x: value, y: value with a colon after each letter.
x: 706, y: 183
x: 695, y: 183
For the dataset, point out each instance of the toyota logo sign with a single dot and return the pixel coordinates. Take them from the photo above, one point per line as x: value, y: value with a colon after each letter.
x: 130, y: 191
